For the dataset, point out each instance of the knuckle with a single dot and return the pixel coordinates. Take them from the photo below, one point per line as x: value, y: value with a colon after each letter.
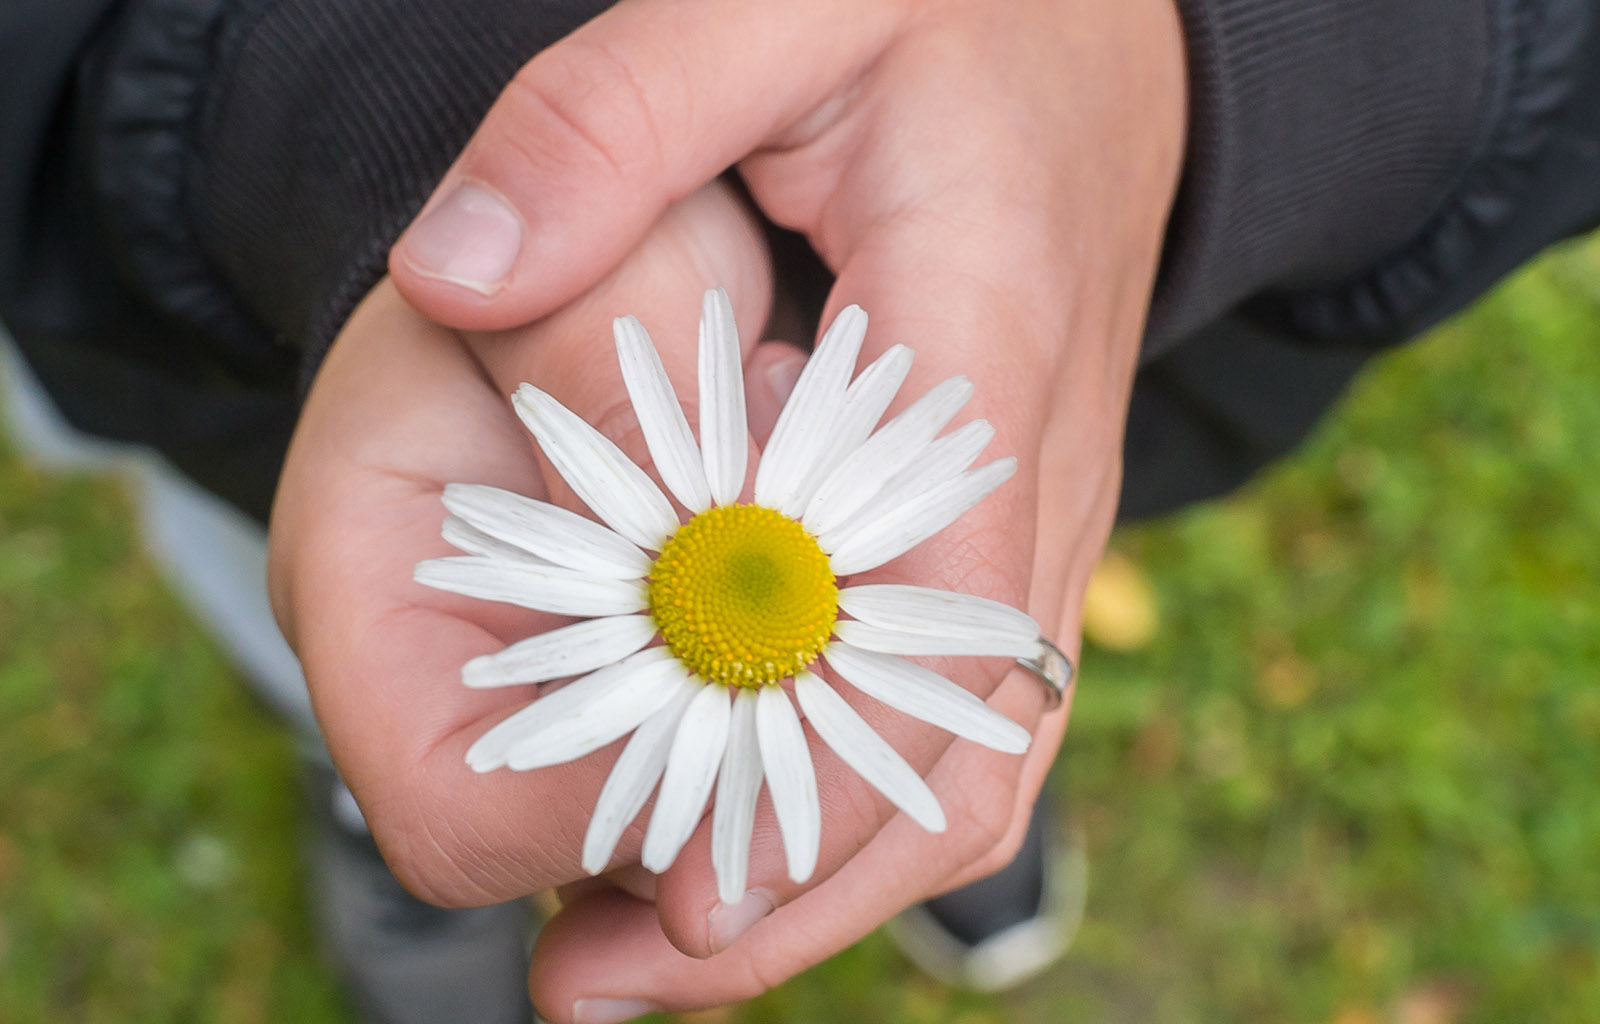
x: 416, y: 862
x: 420, y: 863
x: 761, y: 976
x: 989, y: 830
x: 994, y: 828
x: 582, y: 95
x: 807, y: 941
x: 1000, y: 854
x: 618, y: 420
x: 763, y: 972
x: 852, y: 811
x: 433, y: 859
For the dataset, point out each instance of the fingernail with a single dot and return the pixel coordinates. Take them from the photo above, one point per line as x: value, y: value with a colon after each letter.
x: 728, y: 921
x: 471, y: 237
x: 781, y: 377
x: 610, y: 1011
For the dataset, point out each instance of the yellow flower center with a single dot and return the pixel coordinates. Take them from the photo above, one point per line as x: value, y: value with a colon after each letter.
x: 743, y: 596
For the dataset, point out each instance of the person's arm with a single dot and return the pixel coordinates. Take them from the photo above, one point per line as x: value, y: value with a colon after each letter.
x: 1356, y: 173
x: 118, y: 364
x: 194, y: 195
x: 965, y: 203
x: 1357, y: 169
x: 251, y: 163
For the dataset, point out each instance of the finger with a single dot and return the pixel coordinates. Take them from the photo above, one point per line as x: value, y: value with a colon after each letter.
x: 1057, y: 597
x: 770, y: 375
x: 1028, y: 784
x: 596, y: 136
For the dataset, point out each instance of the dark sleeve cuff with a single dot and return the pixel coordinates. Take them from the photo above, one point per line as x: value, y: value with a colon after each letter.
x: 1347, y: 157
x: 283, y: 145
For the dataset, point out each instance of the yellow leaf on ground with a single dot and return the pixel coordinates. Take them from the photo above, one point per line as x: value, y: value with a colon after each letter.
x: 1438, y: 1001
x: 1286, y: 681
x: 1119, y: 609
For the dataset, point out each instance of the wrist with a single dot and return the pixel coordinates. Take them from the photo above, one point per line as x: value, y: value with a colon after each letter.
x: 1109, y: 144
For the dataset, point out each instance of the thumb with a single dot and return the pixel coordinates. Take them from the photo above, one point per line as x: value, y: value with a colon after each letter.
x: 592, y: 140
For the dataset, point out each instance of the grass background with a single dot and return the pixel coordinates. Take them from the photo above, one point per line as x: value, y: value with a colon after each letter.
x: 1349, y: 778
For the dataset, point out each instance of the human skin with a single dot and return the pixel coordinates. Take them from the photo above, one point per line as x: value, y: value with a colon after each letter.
x: 993, y: 190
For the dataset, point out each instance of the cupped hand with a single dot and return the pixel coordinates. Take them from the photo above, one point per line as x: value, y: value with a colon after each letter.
x: 400, y: 408
x: 993, y: 189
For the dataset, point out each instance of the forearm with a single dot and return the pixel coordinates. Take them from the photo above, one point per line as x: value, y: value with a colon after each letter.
x: 1353, y: 172
x: 253, y: 165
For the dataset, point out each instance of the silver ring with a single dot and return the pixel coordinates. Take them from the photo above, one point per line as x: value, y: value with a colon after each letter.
x: 1053, y: 668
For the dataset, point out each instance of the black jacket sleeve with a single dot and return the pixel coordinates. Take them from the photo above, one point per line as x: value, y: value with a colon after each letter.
x: 1357, y: 171
x: 197, y: 192
x: 194, y: 194
x: 1351, y: 160
x: 211, y: 396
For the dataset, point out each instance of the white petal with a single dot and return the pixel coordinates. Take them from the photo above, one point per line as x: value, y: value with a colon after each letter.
x: 724, y: 432
x: 611, y: 485
x: 791, y: 780
x: 859, y: 546
x: 805, y: 426
x: 942, y: 460
x: 895, y: 641
x: 691, y: 769
x: 933, y: 612
x: 866, y: 752
x: 553, y: 533
x: 864, y: 402
x: 489, y: 752
x: 546, y: 589
x: 568, y: 651
x: 474, y: 541
x: 633, y: 777
x: 628, y: 698
x: 734, y: 815
x: 864, y: 471
x: 925, y: 694
x: 661, y: 419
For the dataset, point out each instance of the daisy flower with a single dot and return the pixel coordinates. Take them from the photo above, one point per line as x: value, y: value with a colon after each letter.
x: 743, y: 597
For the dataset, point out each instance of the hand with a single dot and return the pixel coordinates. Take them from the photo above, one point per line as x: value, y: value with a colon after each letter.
x: 993, y: 190
x: 400, y: 407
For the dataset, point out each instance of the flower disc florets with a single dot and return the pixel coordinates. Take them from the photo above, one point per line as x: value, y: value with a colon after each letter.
x: 743, y: 596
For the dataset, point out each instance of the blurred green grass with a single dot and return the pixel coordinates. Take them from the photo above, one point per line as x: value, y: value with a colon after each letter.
x: 1350, y: 781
